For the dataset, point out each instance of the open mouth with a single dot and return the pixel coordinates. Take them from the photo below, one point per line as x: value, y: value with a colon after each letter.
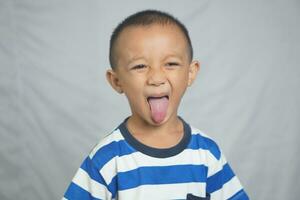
x: 157, y: 97
x: 158, y: 106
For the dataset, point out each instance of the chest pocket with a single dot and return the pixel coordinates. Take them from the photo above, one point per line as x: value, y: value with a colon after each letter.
x: 193, y: 197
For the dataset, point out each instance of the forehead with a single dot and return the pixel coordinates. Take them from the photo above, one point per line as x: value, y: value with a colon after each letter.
x: 163, y: 38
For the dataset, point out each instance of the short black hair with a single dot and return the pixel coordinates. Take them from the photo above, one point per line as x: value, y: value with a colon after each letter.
x: 145, y: 18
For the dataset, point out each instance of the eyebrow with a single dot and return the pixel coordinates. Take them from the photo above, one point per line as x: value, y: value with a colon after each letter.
x: 173, y: 56
x: 130, y: 60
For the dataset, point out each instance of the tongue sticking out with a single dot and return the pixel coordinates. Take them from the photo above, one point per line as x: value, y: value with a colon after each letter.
x: 158, y: 108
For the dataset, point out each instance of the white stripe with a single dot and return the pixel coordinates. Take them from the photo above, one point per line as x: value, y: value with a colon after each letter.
x: 138, y: 159
x: 195, y: 131
x: 164, y: 191
x: 117, y: 136
x: 97, y: 190
x: 217, y: 166
x: 112, y: 137
x: 64, y: 198
x: 228, y: 190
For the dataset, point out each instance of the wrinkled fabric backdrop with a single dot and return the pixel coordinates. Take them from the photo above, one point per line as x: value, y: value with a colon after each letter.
x: 55, y: 103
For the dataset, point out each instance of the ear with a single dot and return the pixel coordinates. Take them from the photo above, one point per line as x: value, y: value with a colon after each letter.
x: 114, y: 81
x: 193, y: 70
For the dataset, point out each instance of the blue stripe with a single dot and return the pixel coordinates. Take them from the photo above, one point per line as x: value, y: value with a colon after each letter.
x: 160, y: 175
x: 240, y: 195
x: 216, y: 181
x: 74, y: 192
x: 113, y: 187
x: 200, y: 142
x: 111, y: 150
x: 92, y: 171
x: 122, y: 148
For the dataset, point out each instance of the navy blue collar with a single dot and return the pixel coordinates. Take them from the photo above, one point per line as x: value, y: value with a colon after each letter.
x: 157, y: 152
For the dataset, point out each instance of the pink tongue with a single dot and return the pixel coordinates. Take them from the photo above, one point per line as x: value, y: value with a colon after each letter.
x: 159, y: 108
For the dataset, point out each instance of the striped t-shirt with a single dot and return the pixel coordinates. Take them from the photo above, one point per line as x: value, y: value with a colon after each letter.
x: 121, y: 167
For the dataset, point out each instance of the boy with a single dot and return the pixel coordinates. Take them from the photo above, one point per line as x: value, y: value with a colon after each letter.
x: 154, y: 154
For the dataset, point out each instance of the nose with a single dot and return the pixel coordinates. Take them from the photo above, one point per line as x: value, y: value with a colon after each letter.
x: 156, y: 76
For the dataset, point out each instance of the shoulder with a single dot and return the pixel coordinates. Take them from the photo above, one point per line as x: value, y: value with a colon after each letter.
x: 108, y: 148
x: 201, y: 140
x: 107, y: 142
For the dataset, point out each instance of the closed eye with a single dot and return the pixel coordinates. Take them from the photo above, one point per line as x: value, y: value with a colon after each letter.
x: 172, y: 64
x: 140, y: 66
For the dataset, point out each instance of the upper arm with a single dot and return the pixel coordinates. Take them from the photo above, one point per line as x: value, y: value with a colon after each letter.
x: 87, y: 184
x: 222, y: 183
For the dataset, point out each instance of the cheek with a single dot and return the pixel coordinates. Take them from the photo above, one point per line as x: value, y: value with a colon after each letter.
x: 132, y: 85
x: 179, y: 85
x: 180, y: 80
x: 134, y: 93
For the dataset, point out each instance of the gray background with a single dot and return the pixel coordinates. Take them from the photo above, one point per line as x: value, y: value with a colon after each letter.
x: 55, y: 103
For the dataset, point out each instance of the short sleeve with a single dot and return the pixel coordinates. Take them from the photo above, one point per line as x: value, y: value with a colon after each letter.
x: 222, y: 183
x: 87, y: 184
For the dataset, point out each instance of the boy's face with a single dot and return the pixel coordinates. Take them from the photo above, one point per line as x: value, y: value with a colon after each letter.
x: 153, y: 70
